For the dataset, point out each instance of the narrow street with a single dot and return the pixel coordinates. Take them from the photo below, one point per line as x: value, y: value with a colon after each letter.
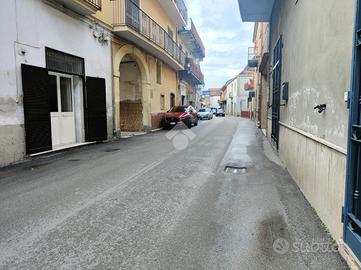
x: 141, y: 203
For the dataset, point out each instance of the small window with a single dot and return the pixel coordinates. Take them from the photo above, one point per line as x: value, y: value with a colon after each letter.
x: 172, y: 100
x: 159, y: 72
x: 66, y: 95
x: 162, y: 105
x: 63, y: 62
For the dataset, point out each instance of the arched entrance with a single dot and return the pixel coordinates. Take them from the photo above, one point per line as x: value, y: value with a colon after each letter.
x: 130, y: 95
x: 131, y: 90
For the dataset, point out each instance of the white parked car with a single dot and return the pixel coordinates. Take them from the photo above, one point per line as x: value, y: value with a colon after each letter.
x: 205, y: 113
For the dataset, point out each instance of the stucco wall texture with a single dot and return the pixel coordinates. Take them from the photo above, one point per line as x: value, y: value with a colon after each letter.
x: 316, y: 61
x: 317, y: 51
x: 53, y: 28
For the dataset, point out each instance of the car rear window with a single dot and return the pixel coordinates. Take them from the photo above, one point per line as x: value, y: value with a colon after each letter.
x: 178, y: 109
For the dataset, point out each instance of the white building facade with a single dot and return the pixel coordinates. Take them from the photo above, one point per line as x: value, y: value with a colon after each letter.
x: 55, y: 70
x: 238, y: 98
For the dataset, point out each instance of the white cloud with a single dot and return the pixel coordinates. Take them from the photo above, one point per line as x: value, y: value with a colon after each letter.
x: 225, y: 37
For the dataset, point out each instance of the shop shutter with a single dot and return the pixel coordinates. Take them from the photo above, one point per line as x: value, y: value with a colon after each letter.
x: 95, y: 110
x: 36, y: 100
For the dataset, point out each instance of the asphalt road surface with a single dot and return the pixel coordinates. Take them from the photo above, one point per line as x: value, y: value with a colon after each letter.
x: 161, y: 201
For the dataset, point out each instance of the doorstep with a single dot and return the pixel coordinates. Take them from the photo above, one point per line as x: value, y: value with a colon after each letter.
x: 59, y: 149
x: 125, y: 135
x: 349, y: 256
x: 156, y: 130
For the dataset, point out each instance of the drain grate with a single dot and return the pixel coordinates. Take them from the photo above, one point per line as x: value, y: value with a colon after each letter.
x: 235, y: 169
x: 112, y: 150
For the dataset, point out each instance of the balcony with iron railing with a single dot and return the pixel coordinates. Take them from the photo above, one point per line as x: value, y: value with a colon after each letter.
x: 192, y: 40
x: 249, y: 86
x: 95, y: 3
x: 192, y: 73
x: 264, y: 49
x: 84, y: 7
x: 253, y: 59
x: 132, y: 23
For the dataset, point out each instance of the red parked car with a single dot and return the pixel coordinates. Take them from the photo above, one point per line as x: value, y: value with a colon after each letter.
x: 179, y: 114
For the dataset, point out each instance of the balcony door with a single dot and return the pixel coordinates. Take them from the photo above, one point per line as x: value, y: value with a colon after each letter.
x: 169, y: 41
x: 133, y: 13
x: 62, y: 110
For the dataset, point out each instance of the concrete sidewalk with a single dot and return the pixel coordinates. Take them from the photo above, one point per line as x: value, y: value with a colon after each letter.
x: 279, y: 229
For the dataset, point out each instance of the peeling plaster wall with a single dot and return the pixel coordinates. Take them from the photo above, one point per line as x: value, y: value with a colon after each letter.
x: 45, y: 27
x: 152, y: 90
x: 316, y: 61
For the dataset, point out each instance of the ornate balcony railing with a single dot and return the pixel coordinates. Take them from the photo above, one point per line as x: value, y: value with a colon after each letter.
x: 196, y: 70
x: 192, y: 40
x: 95, y: 3
x: 192, y: 72
x: 128, y: 13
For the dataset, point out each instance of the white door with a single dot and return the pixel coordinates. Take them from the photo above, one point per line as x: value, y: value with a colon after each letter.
x: 62, y: 115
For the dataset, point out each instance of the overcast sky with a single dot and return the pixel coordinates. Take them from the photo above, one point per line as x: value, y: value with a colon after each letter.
x: 225, y: 37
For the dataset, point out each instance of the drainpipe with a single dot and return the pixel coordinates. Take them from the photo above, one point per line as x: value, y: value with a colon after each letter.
x: 113, y: 88
x: 269, y: 73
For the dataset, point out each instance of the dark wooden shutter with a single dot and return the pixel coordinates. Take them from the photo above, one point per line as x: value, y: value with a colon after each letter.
x: 36, y: 109
x: 95, y: 110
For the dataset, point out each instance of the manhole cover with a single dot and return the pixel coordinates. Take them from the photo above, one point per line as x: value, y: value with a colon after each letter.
x: 111, y: 150
x: 235, y: 169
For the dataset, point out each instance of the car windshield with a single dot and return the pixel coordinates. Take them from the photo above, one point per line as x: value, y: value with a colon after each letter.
x: 178, y: 109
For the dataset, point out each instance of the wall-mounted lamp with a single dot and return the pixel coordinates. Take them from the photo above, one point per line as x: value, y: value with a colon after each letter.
x: 321, y: 108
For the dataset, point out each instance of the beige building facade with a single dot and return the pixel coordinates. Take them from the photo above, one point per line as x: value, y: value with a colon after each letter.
x: 155, y: 60
x: 310, y: 73
x: 146, y: 58
x: 259, y: 59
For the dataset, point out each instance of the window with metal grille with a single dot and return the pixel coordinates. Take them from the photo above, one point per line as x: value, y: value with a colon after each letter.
x: 63, y: 62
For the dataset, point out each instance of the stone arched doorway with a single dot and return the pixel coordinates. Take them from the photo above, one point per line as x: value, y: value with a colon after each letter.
x: 130, y: 95
x: 131, y: 90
